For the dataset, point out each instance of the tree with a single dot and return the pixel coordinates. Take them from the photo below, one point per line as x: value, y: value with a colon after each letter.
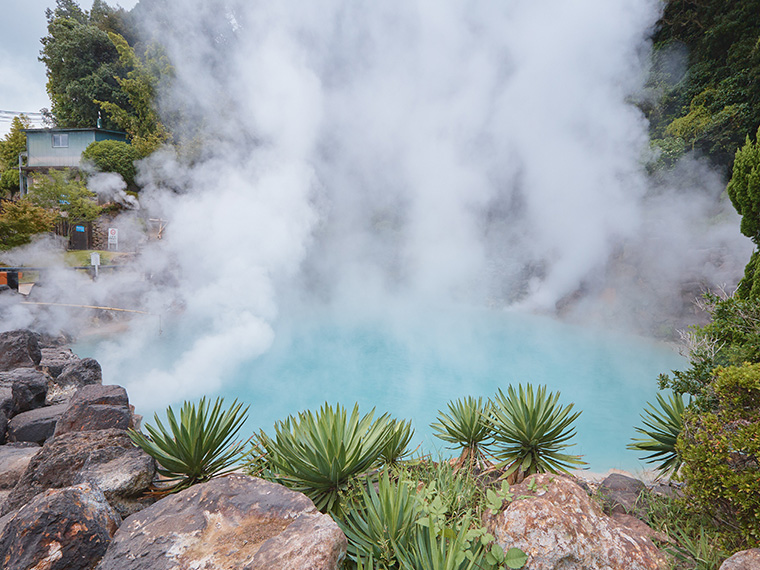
x: 82, y: 65
x: 744, y: 191
x: 20, y: 220
x: 114, y: 156
x: 140, y: 120
x: 11, y: 146
x: 61, y: 191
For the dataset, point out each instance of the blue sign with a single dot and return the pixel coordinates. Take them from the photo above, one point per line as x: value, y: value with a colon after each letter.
x: 80, y: 228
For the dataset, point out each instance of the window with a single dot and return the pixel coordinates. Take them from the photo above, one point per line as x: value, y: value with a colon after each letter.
x: 60, y: 141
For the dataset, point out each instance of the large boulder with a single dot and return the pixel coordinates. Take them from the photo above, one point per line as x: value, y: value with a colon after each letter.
x: 35, y: 426
x: 28, y: 388
x: 62, y: 529
x: 96, y: 407
x: 106, y: 458
x: 76, y: 374
x: 19, y: 349
x: 622, y: 494
x: 230, y: 522
x: 553, y: 520
x: 744, y: 560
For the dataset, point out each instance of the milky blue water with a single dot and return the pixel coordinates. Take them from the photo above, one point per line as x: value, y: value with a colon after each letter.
x: 412, y: 367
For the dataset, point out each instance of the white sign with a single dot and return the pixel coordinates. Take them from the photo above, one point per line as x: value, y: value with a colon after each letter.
x: 113, y: 238
x: 94, y: 258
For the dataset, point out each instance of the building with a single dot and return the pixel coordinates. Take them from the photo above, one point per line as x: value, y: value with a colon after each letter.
x: 58, y: 148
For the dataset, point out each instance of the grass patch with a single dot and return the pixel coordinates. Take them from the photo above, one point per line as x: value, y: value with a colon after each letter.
x: 81, y: 258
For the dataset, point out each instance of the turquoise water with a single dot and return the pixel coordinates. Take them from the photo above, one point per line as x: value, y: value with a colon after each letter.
x: 414, y: 366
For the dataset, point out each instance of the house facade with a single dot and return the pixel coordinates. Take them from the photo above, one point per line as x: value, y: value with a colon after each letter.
x: 59, y: 148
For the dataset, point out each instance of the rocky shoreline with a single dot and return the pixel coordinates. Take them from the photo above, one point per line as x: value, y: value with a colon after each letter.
x: 75, y: 493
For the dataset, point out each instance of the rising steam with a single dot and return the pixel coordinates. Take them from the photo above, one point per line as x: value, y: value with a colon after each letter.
x: 356, y: 153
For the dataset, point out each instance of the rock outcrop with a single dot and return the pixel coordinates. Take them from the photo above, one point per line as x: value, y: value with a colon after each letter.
x: 62, y: 529
x: 106, y: 458
x: 230, y: 522
x: 560, y: 528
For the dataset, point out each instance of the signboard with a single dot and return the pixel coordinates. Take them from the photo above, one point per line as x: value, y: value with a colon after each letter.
x: 113, y: 238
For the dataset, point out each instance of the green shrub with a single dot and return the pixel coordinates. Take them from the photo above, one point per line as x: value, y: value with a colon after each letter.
x: 114, y: 156
x: 468, y: 426
x: 531, y: 431
x: 662, y: 428
x: 720, y: 450
x: 198, y: 446
x: 319, y: 454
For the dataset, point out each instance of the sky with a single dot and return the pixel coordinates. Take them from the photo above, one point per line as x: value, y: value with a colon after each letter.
x: 22, y: 76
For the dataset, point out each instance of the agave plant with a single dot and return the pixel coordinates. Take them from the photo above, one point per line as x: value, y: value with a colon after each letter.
x: 382, y: 521
x: 531, y: 431
x: 397, y: 448
x: 468, y: 426
x: 662, y: 428
x: 197, y: 446
x: 318, y: 454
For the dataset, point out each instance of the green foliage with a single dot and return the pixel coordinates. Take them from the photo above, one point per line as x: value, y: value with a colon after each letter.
x: 319, y: 454
x: 381, y: 521
x: 113, y: 156
x: 713, y: 103
x: 397, y: 447
x: 11, y: 146
x: 661, y: 427
x: 144, y: 76
x: 720, y: 450
x: 62, y: 191
x: 197, y: 446
x: 81, y: 66
x: 468, y: 426
x: 531, y: 431
x: 20, y: 220
x: 744, y: 188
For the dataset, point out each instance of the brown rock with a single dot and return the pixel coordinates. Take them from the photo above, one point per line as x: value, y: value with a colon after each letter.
x: 560, y: 528
x: 622, y: 494
x: 230, y: 522
x: 19, y: 349
x: 62, y: 529
x: 28, y: 388
x: 744, y: 560
x: 106, y: 457
x: 96, y: 407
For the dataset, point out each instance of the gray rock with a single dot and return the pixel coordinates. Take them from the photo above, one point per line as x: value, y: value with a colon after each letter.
x: 3, y: 426
x: 106, y: 457
x: 230, y: 522
x: 14, y: 459
x: 54, y: 360
x: 622, y: 494
x: 6, y: 399
x: 62, y: 529
x: 560, y: 528
x: 76, y: 374
x: 35, y: 425
x: 96, y: 407
x: 29, y: 390
x: 81, y: 373
x: 19, y: 349
x: 743, y: 560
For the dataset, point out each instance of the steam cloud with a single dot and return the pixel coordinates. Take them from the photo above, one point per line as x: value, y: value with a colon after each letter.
x: 358, y: 153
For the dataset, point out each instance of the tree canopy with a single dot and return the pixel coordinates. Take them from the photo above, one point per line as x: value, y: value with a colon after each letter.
x: 114, y: 156
x: 11, y: 146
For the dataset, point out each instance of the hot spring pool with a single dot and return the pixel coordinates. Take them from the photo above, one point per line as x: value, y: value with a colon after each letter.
x: 414, y: 370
